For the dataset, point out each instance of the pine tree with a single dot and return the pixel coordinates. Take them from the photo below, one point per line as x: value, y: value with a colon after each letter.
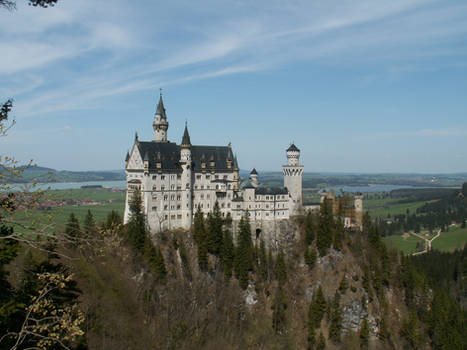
x: 279, y: 305
x: 263, y: 261
x: 325, y: 228
x: 89, y: 224
x: 343, y: 285
x: 280, y: 268
x: 214, y: 230
x: 317, y: 309
x: 72, y: 228
x: 228, y: 254
x: 198, y: 226
x: 310, y: 257
x: 200, y: 238
x: 311, y: 339
x: 336, y: 319
x: 309, y: 228
x: 136, y: 227
x: 364, y: 334
x: 321, y: 345
x: 155, y: 259
x: 113, y: 220
x: 244, y: 251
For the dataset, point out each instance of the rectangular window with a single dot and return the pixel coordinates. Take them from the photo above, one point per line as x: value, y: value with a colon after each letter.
x: 162, y: 177
x: 198, y: 177
x: 154, y: 177
x: 172, y: 217
x: 154, y: 208
x: 179, y: 216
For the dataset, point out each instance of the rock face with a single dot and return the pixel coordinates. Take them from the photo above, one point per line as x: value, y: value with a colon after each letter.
x: 352, y: 316
x: 251, y: 297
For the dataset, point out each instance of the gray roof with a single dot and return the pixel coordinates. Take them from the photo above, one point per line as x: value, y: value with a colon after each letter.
x: 186, y: 137
x: 168, y: 154
x: 293, y: 148
x: 254, y: 172
x: 160, y: 109
x: 271, y: 190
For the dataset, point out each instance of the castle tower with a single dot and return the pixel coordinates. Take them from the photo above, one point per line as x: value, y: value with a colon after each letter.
x: 293, y: 173
x: 185, y: 162
x: 358, y: 204
x: 160, y: 124
x: 254, y: 178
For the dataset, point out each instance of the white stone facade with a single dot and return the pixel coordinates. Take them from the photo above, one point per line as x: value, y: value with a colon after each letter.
x: 175, y: 179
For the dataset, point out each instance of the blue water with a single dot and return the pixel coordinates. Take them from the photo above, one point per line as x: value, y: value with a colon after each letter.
x: 367, y: 189
x: 121, y: 185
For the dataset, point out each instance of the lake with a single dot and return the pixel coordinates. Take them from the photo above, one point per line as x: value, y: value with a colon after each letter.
x: 121, y: 185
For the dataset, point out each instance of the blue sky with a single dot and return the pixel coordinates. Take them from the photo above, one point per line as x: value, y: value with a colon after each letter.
x: 359, y: 86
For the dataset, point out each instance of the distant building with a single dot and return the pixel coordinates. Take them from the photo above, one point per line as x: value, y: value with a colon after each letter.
x: 176, y: 179
x: 349, y: 208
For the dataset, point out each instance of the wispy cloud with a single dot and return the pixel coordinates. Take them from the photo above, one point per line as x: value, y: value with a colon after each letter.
x: 79, y: 54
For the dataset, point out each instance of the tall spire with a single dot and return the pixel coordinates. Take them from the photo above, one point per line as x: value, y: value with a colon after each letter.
x: 160, y: 108
x: 186, y: 136
x: 160, y: 124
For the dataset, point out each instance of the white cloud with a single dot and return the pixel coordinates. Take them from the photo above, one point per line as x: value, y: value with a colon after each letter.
x: 100, y: 50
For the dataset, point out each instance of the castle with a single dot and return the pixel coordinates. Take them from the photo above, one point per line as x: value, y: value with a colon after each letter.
x: 175, y: 180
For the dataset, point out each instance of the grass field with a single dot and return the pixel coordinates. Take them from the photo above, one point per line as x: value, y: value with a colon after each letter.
x: 407, y: 245
x: 383, y: 207
x: 56, y: 218
x: 455, y: 238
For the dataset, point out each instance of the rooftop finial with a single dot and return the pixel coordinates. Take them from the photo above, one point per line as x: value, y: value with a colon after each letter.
x: 160, y: 92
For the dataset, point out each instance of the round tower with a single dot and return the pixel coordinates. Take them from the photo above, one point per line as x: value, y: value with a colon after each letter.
x: 293, y: 174
x: 160, y: 124
x: 254, y: 178
x: 358, y: 205
x: 186, y: 179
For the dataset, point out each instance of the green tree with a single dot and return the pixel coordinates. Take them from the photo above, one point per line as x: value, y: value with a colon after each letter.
x: 112, y: 221
x: 263, y: 261
x: 279, y: 305
x: 336, y: 319
x: 72, y: 229
x: 309, y: 228
x: 317, y: 309
x: 325, y: 228
x: 200, y: 238
x: 280, y: 268
x: 244, y: 251
x: 155, y: 260
x: 89, y: 224
x: 136, y: 227
x: 228, y: 254
x: 214, y: 230
x: 310, y: 257
x: 364, y: 334
x: 321, y: 344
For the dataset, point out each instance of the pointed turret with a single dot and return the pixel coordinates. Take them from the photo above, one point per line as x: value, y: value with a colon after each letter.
x: 254, y: 178
x: 186, y: 137
x: 136, y: 137
x: 127, y: 158
x: 160, y: 108
x: 160, y: 124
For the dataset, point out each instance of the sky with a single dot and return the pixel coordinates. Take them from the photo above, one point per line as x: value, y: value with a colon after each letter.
x: 358, y: 85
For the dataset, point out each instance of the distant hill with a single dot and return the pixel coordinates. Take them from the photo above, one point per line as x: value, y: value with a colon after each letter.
x: 43, y: 175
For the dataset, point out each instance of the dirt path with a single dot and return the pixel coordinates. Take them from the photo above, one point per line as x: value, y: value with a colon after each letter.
x: 427, y: 242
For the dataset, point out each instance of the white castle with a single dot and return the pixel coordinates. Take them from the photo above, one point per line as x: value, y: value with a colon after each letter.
x: 175, y: 180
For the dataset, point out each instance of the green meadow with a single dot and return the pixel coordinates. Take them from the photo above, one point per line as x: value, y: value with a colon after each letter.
x: 56, y: 218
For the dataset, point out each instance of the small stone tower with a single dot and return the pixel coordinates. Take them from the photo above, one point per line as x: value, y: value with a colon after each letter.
x: 254, y: 178
x: 186, y: 180
x: 358, y: 204
x: 160, y: 124
x: 293, y: 174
